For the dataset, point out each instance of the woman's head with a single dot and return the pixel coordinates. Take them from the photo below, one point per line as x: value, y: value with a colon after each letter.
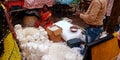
x: 45, y: 8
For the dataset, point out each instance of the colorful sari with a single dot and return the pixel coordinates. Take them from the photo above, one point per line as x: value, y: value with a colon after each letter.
x: 46, y: 21
x: 11, y: 50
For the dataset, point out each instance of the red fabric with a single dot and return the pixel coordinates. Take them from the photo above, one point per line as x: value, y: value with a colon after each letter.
x: 15, y: 3
x: 37, y: 23
x: 45, y: 17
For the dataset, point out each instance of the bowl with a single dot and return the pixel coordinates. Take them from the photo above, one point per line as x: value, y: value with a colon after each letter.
x: 73, y: 28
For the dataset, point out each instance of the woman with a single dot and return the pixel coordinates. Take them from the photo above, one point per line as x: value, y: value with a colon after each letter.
x: 8, y: 47
x: 45, y: 15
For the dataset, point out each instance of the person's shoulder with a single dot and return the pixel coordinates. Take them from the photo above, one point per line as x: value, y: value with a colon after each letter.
x: 98, y: 2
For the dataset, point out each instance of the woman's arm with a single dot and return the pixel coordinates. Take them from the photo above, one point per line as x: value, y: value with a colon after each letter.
x: 9, y: 21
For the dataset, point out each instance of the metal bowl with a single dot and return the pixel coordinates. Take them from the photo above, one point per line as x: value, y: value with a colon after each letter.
x: 74, y: 28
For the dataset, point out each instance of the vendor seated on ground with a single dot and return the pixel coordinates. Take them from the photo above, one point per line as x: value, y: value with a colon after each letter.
x: 45, y: 16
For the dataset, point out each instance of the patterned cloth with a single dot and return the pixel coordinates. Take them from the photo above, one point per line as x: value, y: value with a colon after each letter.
x: 30, y: 4
x: 11, y: 50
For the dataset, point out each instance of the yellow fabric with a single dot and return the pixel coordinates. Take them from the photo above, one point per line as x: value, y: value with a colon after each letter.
x: 3, y: 7
x: 115, y: 34
x: 11, y: 50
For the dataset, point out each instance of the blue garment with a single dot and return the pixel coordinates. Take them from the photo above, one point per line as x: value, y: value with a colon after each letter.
x: 64, y: 1
x: 92, y: 33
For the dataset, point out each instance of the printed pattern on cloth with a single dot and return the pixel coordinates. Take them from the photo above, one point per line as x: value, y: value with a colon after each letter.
x: 30, y: 4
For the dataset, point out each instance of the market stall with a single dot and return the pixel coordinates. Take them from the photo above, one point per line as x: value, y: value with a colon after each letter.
x: 61, y: 41
x: 36, y: 43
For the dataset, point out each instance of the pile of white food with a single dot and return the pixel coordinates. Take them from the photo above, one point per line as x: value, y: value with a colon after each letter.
x: 35, y: 45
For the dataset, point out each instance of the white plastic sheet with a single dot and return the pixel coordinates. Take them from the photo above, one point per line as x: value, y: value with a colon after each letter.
x: 66, y: 33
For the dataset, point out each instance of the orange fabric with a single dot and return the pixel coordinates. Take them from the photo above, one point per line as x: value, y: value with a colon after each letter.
x: 45, y: 15
x: 44, y: 22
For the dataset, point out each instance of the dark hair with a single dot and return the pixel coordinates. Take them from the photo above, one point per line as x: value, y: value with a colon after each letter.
x: 45, y: 6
